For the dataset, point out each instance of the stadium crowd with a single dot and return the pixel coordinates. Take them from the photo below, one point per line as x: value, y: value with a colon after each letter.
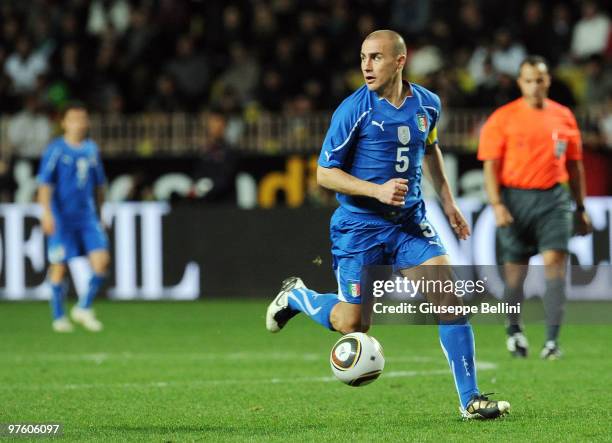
x: 134, y: 56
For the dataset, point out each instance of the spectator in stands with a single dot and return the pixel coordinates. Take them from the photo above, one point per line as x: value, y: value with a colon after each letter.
x: 42, y: 37
x: 165, y: 98
x: 424, y: 60
x: 598, y: 81
x: 590, y: 36
x: 561, y: 33
x: 68, y: 69
x: 469, y: 29
x: 105, y: 14
x: 270, y: 92
x: 537, y: 33
x: 316, y: 72
x: 70, y: 30
x: 286, y: 63
x: 24, y: 65
x: 264, y: 33
x: 234, y: 27
x: 104, y: 81
x: 191, y: 72
x: 507, y: 53
x: 242, y: 73
x: 10, y: 32
x: 139, y: 38
x: 215, y: 161
x: 8, y: 101
x: 29, y: 130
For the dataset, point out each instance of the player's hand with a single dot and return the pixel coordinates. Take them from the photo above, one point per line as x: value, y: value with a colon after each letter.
x: 457, y: 221
x: 582, y: 223
x: 48, y: 223
x: 392, y: 192
x: 503, y: 217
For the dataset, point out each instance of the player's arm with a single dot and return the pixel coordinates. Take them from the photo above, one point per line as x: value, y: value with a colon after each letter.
x: 392, y: 192
x: 100, y: 192
x: 577, y: 184
x: 47, y: 178
x: 45, y: 192
x: 339, y: 141
x: 100, y: 182
x: 433, y: 168
x: 491, y: 171
x: 491, y: 149
x: 577, y: 179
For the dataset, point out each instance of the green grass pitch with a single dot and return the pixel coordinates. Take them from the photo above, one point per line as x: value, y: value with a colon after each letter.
x: 208, y: 371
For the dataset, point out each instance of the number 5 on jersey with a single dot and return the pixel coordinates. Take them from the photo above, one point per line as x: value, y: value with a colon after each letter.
x: 403, y: 161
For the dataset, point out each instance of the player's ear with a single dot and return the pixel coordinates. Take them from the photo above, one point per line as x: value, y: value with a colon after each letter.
x: 401, y: 61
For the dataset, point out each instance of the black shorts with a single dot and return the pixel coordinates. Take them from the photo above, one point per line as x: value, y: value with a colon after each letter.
x: 542, y: 222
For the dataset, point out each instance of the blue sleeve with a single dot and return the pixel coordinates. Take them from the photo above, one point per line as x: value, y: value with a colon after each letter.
x: 433, y: 108
x: 341, y: 134
x: 99, y: 175
x: 47, y: 170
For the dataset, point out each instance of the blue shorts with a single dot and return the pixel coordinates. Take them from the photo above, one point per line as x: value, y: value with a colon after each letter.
x: 70, y: 242
x: 368, y: 239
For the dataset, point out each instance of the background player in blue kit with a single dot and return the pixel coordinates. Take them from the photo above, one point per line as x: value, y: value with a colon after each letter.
x: 380, y: 141
x: 71, y: 190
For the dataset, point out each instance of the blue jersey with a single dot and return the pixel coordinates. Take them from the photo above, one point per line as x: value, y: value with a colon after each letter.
x: 371, y: 139
x: 74, y: 173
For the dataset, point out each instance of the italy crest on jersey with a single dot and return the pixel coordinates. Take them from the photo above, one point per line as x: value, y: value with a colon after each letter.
x: 354, y: 289
x: 422, y: 122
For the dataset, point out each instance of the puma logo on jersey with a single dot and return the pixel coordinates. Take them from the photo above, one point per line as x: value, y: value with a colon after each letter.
x: 380, y: 125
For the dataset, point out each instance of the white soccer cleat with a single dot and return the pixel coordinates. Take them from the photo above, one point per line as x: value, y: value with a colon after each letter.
x: 62, y: 324
x: 279, y: 312
x: 86, y: 318
x: 518, y: 345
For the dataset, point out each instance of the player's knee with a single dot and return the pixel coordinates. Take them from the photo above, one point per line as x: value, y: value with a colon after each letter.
x: 346, y: 323
x: 100, y: 262
x: 57, y: 272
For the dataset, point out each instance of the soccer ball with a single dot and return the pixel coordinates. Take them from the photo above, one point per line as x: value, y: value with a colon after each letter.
x: 357, y: 359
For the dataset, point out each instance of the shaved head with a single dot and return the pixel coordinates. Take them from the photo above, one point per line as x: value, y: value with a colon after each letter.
x: 398, y: 45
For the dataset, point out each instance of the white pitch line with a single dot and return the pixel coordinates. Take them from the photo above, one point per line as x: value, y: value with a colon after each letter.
x: 481, y: 365
x: 101, y: 357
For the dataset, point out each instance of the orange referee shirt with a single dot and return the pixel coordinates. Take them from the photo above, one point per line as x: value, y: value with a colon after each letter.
x: 532, y: 144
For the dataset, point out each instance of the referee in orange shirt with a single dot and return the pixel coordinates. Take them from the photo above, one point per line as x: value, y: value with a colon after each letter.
x: 531, y: 147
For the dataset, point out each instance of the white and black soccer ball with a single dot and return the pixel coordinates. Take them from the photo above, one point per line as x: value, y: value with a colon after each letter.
x: 357, y: 359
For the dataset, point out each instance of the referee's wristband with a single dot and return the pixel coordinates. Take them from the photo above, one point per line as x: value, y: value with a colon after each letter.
x: 580, y: 208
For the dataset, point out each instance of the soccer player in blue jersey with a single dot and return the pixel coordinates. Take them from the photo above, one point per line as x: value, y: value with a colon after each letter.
x: 381, y: 139
x: 71, y: 190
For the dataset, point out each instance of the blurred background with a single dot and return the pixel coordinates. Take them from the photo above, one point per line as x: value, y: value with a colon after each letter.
x: 204, y: 109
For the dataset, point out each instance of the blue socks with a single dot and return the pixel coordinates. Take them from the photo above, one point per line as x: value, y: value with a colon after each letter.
x: 314, y: 305
x: 457, y: 340
x: 58, y: 292
x: 95, y: 282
